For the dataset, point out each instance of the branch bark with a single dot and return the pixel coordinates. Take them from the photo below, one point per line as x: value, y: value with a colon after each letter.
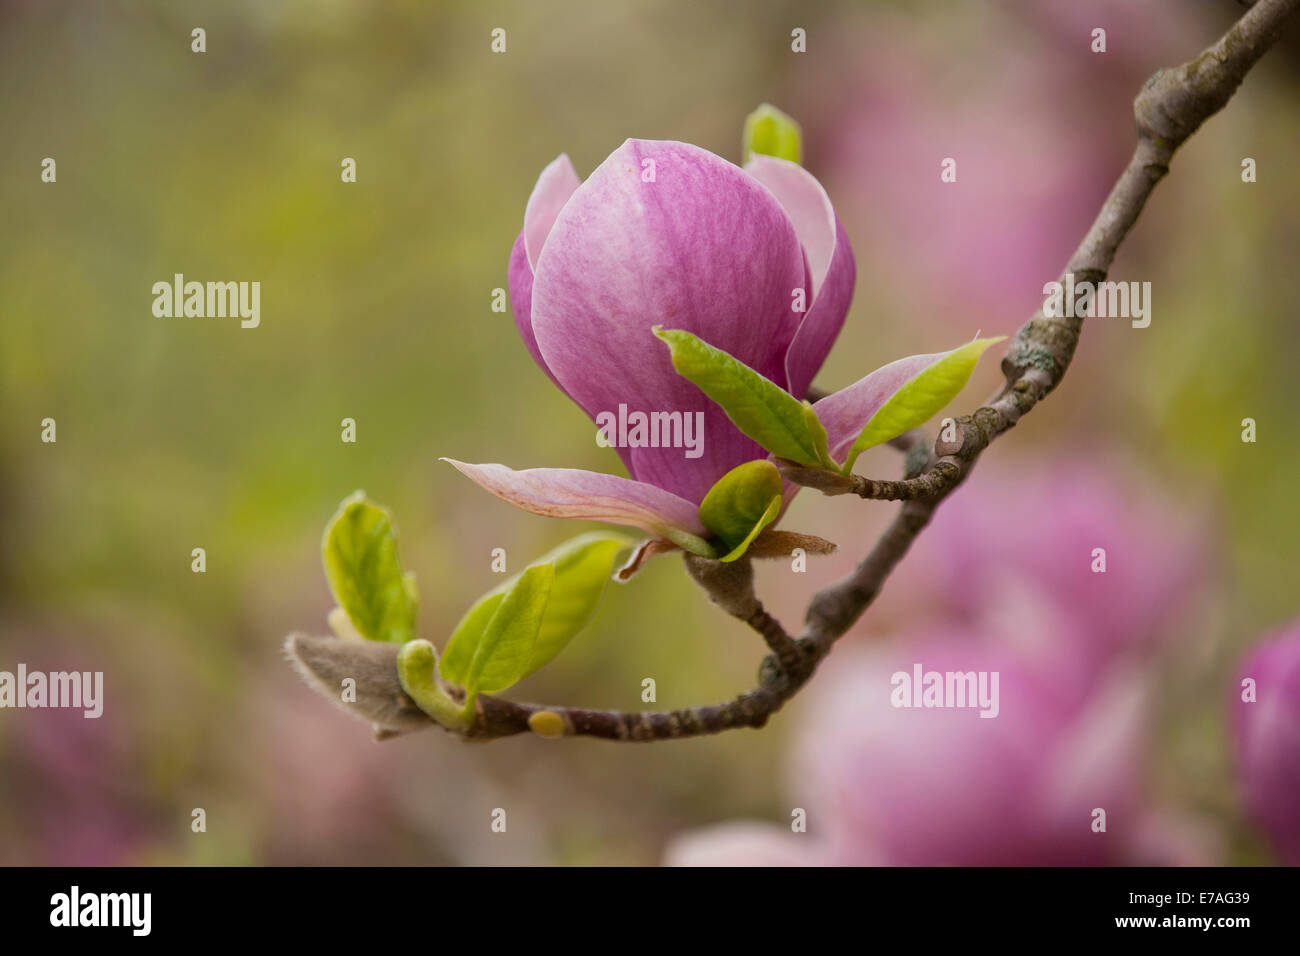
x: 1171, y: 106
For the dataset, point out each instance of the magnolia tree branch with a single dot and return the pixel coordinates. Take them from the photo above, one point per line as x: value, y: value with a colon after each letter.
x: 1170, y: 107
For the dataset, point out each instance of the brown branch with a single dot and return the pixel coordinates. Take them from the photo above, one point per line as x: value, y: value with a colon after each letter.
x: 730, y: 585
x: 1169, y: 108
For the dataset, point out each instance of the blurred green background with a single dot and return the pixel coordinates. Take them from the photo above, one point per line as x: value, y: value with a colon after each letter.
x: 183, y: 433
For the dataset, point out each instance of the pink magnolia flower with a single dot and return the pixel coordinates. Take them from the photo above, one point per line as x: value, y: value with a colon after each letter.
x: 666, y: 233
x: 1267, y: 739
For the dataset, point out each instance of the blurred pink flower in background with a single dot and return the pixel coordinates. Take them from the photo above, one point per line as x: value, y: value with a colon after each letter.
x: 331, y: 793
x: 1038, y: 135
x: 1007, y: 574
x: 74, y: 791
x: 1267, y: 739
x: 1013, y: 554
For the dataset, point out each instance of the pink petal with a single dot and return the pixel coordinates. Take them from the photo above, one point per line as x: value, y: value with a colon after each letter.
x: 808, y: 207
x: 587, y: 495
x: 821, y: 326
x: 830, y: 261
x: 521, y: 296
x: 554, y: 186
x: 704, y: 247
x: 848, y: 410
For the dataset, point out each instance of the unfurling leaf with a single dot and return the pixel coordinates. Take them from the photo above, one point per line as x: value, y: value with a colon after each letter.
x: 360, y: 554
x: 921, y: 397
x: 756, y: 405
x: 417, y: 663
x: 582, y: 567
x: 741, y: 504
x: 818, y: 433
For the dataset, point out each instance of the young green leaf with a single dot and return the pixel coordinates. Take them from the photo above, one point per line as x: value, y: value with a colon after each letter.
x: 506, y: 648
x: 772, y: 133
x: 766, y: 518
x: 818, y: 432
x: 918, y: 399
x: 464, y: 640
x: 760, y: 408
x: 741, y: 504
x: 582, y: 567
x: 359, y: 549
x: 688, y: 542
x: 416, y: 663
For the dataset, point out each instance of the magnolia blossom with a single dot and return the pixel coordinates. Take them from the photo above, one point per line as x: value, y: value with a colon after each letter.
x: 1011, y: 589
x: 753, y: 261
x: 1267, y: 739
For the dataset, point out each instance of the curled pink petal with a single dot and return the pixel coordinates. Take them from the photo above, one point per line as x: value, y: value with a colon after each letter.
x: 832, y: 270
x: 808, y: 207
x: 821, y: 327
x: 521, y: 297
x: 587, y: 495
x: 555, y: 185
x: 848, y: 410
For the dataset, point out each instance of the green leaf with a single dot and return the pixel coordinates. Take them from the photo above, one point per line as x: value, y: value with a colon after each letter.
x: 416, y: 662
x: 772, y: 133
x: 688, y: 542
x: 765, y: 519
x: 818, y: 432
x: 741, y: 504
x: 583, y: 565
x: 508, y: 641
x: 360, y: 555
x: 760, y: 408
x: 917, y: 401
x: 464, y: 640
